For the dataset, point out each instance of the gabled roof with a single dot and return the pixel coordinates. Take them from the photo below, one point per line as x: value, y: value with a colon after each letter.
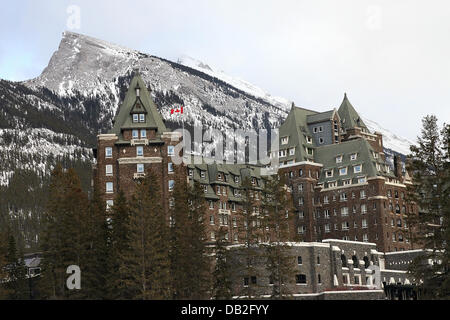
x: 327, y: 156
x: 142, y: 104
x: 295, y: 126
x: 320, y: 117
x: 349, y: 117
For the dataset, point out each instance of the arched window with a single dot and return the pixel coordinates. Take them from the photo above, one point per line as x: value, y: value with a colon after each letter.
x: 366, y: 262
x: 355, y: 262
x: 344, y: 260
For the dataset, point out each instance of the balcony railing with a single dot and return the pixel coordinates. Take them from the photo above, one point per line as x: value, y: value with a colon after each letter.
x: 139, y: 141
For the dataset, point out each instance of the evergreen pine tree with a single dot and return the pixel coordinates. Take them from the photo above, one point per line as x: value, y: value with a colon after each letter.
x: 222, y: 284
x: 179, y: 239
x: 146, y: 263
x: 429, y: 164
x: 250, y: 232
x: 119, y: 247
x: 96, y: 261
x: 3, y: 264
x: 64, y: 238
x: 17, y: 284
x: 198, y: 269
x: 278, y: 216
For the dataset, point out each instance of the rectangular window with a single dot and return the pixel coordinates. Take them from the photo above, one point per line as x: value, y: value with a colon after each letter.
x: 170, y: 167
x: 343, y: 196
x: 141, y: 117
x: 357, y: 169
x: 362, y: 194
x: 344, y: 211
x: 211, y: 220
x: 327, y: 228
x: 211, y: 204
x: 171, y: 151
x: 109, y: 187
x: 135, y: 134
x: 108, y: 152
x: 345, y: 225
x: 171, y: 184
x: 109, y: 204
x: 364, y: 224
x: 143, y: 133
x: 140, y: 151
x: 109, y: 170
x: 135, y: 118
x: 140, y: 168
x: 300, y: 278
x: 363, y: 209
x: 299, y: 260
x: 343, y: 171
x: 362, y: 180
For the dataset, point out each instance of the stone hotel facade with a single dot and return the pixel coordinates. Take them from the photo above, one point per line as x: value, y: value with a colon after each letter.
x: 340, y: 180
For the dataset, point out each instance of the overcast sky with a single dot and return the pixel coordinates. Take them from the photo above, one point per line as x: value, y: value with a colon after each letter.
x: 391, y: 57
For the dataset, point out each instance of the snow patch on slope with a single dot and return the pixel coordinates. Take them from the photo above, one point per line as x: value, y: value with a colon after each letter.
x: 390, y: 140
x: 235, y: 82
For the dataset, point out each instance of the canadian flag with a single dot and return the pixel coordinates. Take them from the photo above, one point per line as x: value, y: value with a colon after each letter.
x: 176, y: 111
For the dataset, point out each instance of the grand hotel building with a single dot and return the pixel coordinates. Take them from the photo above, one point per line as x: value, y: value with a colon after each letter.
x: 341, y: 182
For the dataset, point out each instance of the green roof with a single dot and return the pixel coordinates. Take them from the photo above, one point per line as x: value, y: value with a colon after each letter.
x: 349, y: 117
x: 295, y: 126
x: 142, y: 104
x: 320, y: 117
x: 364, y: 156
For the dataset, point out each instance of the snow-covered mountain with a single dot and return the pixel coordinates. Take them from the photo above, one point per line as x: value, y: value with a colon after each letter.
x: 95, y: 69
x: 56, y: 116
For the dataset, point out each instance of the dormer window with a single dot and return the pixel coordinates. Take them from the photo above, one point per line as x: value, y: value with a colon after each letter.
x: 135, y: 117
x: 308, y: 139
x: 343, y: 171
x: 329, y: 173
x: 353, y: 156
x: 141, y: 117
x: 357, y: 169
x: 284, y: 140
x: 338, y: 159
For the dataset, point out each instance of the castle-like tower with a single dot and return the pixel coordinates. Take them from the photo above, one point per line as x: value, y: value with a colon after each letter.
x: 138, y: 140
x: 343, y: 185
